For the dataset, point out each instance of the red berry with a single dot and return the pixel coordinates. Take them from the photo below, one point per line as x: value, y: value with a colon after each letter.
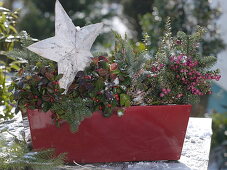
x: 51, y: 100
x: 161, y: 94
x: 87, y: 77
x: 99, y: 92
x: 178, y: 42
x: 103, y: 58
x: 117, y: 97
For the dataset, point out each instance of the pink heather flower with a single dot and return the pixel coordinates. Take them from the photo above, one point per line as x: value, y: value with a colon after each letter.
x: 148, y: 76
x: 209, y: 92
x: 218, y: 77
x: 179, y: 95
x: 180, y: 57
x: 162, y: 94
x: 171, y: 59
x: 183, y: 71
x: 162, y: 65
x: 164, y: 90
x: 168, y: 90
x: 154, y: 69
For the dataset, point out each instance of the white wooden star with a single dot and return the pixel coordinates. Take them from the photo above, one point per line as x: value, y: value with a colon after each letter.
x: 70, y: 47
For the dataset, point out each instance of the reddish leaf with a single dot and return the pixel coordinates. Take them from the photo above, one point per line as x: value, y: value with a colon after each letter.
x: 95, y: 60
x: 113, y: 66
x: 102, y: 72
x: 50, y: 76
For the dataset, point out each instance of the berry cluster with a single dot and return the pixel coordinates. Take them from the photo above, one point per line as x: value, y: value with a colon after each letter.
x: 187, y: 72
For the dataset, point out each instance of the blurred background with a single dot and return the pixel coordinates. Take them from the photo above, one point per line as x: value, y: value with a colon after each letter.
x: 136, y: 18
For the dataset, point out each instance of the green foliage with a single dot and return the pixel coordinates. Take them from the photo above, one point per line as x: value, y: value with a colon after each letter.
x: 8, y: 37
x: 185, y: 15
x: 126, y: 57
x: 5, y: 96
x: 16, y: 155
x: 219, y: 127
x: 124, y: 100
x: 36, y: 89
x: 219, y: 139
x: 74, y: 110
x: 7, y: 29
x: 24, y: 55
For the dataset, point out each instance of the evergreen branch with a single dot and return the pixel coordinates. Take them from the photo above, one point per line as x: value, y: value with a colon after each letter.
x: 126, y: 57
x: 26, y: 55
x: 208, y: 62
x: 16, y: 155
x: 73, y: 110
x: 166, y: 46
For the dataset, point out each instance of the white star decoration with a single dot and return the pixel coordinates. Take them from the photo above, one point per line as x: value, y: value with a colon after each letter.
x: 70, y: 47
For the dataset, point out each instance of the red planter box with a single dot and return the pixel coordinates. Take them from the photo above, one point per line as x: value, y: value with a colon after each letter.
x: 143, y: 133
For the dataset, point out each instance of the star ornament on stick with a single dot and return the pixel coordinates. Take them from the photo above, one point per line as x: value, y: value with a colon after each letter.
x: 70, y: 47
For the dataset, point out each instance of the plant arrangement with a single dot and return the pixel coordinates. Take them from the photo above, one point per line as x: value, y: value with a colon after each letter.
x: 176, y: 74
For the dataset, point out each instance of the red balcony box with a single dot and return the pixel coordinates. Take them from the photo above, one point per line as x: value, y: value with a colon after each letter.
x: 143, y: 133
